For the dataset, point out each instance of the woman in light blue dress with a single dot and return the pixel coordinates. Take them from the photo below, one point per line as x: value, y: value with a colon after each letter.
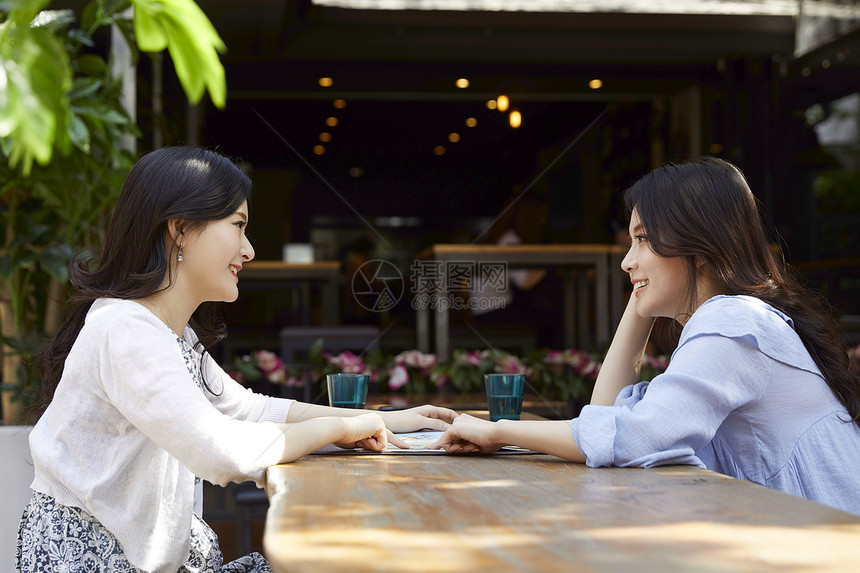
x: 758, y: 387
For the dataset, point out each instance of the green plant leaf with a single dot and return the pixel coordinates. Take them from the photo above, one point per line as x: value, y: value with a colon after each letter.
x: 183, y: 28
x: 91, y: 65
x: 315, y: 351
x: 35, y: 75
x: 80, y: 135
x: 149, y: 26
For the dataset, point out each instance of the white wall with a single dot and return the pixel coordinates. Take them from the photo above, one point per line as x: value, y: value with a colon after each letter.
x: 16, y: 475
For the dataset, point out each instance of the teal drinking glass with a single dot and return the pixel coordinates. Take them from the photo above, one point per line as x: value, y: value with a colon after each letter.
x: 347, y: 390
x: 505, y: 395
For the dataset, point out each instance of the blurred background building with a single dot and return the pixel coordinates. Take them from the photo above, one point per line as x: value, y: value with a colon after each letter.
x: 374, y: 128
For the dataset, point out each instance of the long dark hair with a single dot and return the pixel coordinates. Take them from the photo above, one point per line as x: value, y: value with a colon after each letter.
x: 193, y: 185
x: 704, y: 212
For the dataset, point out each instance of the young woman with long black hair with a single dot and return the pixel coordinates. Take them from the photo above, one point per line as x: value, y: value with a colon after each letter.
x: 136, y: 412
x: 758, y: 387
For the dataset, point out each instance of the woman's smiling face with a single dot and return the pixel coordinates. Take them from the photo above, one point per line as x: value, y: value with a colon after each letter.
x: 214, y: 257
x: 659, y: 283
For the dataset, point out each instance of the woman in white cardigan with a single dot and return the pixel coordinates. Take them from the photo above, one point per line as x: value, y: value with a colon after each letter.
x: 136, y: 412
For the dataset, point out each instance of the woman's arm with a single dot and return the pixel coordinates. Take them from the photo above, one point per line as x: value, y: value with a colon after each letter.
x: 411, y: 420
x: 623, y: 361
x: 470, y: 434
x: 365, y: 431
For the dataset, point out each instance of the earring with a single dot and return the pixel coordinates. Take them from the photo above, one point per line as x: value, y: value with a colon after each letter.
x: 179, y: 255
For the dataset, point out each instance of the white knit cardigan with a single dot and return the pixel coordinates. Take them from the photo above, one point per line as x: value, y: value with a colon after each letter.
x: 128, y: 430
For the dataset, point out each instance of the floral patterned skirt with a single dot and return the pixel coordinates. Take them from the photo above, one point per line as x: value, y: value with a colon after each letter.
x: 53, y: 537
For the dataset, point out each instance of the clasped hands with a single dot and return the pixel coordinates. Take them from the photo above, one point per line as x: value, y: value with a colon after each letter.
x: 374, y: 431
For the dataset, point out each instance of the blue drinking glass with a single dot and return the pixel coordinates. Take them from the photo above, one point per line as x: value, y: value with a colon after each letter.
x: 505, y: 395
x: 347, y: 390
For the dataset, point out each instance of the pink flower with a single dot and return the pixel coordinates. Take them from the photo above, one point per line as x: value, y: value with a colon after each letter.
x: 555, y: 357
x: 373, y: 374
x: 294, y: 381
x: 426, y: 361
x: 590, y: 370
x: 511, y: 365
x: 439, y: 379
x: 473, y: 358
x: 267, y: 361
x: 398, y: 377
x: 582, y: 364
x: 417, y: 359
x: 656, y: 362
x: 277, y: 376
x: 348, y: 362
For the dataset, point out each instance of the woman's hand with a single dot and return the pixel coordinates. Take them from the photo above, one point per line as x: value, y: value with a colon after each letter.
x: 469, y: 434
x: 623, y: 360
x: 419, y: 418
x: 365, y: 431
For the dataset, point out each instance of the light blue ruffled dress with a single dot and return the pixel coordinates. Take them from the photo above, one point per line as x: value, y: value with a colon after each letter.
x: 741, y: 396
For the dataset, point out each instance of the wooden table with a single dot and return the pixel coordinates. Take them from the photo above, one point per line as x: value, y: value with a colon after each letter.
x: 605, y: 260
x: 428, y: 513
x: 274, y: 275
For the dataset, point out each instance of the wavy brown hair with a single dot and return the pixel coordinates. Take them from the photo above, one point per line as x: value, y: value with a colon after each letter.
x: 190, y: 184
x: 704, y: 211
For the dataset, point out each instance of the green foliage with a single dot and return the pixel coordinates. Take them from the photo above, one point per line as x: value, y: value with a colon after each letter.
x: 40, y: 79
x: 182, y: 28
x: 52, y: 208
x: 35, y: 77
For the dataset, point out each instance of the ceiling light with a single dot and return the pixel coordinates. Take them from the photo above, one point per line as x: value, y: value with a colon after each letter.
x: 515, y: 118
x: 325, y: 137
x: 502, y: 103
x: 462, y: 83
x: 491, y: 104
x: 595, y: 84
x: 326, y: 82
x: 339, y: 103
x: 439, y: 150
x: 471, y: 122
x: 319, y: 149
x: 331, y: 121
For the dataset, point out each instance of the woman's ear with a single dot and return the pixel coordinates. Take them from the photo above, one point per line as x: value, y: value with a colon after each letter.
x: 176, y: 229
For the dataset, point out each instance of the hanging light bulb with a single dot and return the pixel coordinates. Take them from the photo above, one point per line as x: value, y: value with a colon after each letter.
x: 515, y: 118
x: 502, y: 103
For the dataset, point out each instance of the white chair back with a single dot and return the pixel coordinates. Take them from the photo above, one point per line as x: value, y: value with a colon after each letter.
x: 16, y: 475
